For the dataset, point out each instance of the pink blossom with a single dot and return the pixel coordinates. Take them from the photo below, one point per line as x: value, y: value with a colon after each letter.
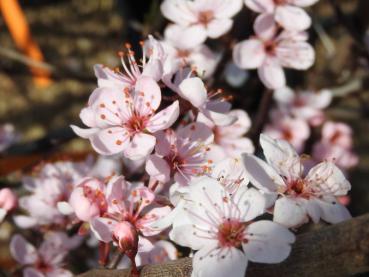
x: 88, y: 199
x: 221, y: 229
x: 8, y: 202
x: 300, y: 197
x: 53, y: 184
x: 288, y: 13
x: 202, y: 18
x: 8, y: 136
x: 229, y: 141
x: 183, y: 50
x: 126, y: 237
x: 124, y: 122
x: 294, y: 130
x: 181, y: 154
x: 132, y: 70
x: 47, y: 260
x: 307, y: 105
x: 132, y: 203
x: 208, y: 104
x: 336, y: 145
x: 271, y: 50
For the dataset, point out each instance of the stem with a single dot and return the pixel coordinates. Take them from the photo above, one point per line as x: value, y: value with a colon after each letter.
x: 118, y: 255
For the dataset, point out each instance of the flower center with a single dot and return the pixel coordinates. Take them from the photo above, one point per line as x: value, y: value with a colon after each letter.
x: 269, y: 47
x: 183, y: 53
x: 42, y: 266
x: 96, y: 196
x: 136, y: 124
x: 205, y: 17
x: 231, y: 233
x: 296, y: 188
x: 279, y: 2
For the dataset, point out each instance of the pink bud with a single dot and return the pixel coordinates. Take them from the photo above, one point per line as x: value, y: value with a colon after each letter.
x: 88, y: 199
x: 8, y: 200
x: 125, y: 234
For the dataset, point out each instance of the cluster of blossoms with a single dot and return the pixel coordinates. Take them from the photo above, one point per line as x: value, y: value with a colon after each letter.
x: 190, y: 175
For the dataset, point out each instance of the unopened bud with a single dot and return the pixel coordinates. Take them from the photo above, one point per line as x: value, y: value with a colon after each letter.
x: 126, y: 236
x: 8, y: 200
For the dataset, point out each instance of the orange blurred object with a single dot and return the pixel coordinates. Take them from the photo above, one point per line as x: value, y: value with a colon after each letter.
x: 19, y: 30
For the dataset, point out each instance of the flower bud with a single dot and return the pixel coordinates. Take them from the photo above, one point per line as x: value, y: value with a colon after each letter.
x: 8, y: 200
x: 126, y: 236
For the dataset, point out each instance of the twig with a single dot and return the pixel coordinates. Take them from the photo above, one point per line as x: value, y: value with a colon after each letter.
x: 118, y: 255
x: 335, y: 251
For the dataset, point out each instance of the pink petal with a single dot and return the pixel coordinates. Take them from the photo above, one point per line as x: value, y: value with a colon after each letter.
x: 196, y: 131
x: 297, y: 55
x: 261, y: 6
x: 103, y: 228
x: 239, y: 127
x: 84, y: 133
x: 227, y: 8
x: 164, y: 119
x: 147, y: 96
x: 333, y: 212
x: 265, y: 27
x: 218, y: 27
x: 249, y: 54
x: 146, y: 222
x: 110, y: 141
x: 153, y: 69
x: 158, y: 168
x: 185, y: 37
x: 289, y: 212
x: 271, y: 74
x: 178, y: 11
x: 292, y: 18
x: 32, y: 272
x: 251, y: 201
x: 141, y: 146
x: 22, y: 251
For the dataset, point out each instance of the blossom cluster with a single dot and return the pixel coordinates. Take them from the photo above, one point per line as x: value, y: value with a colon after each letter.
x: 174, y: 164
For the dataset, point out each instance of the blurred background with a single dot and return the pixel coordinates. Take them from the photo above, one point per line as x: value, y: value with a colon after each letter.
x: 67, y: 37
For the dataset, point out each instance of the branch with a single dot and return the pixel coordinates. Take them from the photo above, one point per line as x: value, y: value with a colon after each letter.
x: 333, y: 251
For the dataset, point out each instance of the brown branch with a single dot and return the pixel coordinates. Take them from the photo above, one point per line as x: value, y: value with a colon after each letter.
x: 333, y: 251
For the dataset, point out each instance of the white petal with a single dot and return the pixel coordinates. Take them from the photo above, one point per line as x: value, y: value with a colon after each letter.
x: 281, y: 156
x: 327, y: 179
x: 265, y: 27
x: 333, y: 212
x: 289, y: 212
x: 260, y: 6
x: 32, y: 272
x: 103, y: 228
x: 292, y: 18
x: 164, y: 119
x: 268, y: 242
x: 25, y: 221
x: 194, y: 91
x: 65, y: 208
x: 218, y: 27
x: 295, y: 54
x: 303, y: 3
x: 141, y: 146
x: 262, y: 175
x: 211, y: 262
x: 228, y: 8
x: 3, y: 213
x: 271, y: 74
x: 250, y: 202
x: 84, y: 133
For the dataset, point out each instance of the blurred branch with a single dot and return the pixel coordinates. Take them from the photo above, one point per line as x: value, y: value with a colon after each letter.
x: 335, y: 251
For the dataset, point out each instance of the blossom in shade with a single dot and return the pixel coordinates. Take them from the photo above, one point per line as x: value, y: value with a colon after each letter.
x: 214, y: 108
x: 8, y: 202
x: 288, y: 13
x: 336, y: 145
x: 202, y: 18
x: 53, y: 183
x: 221, y: 229
x: 229, y: 141
x: 121, y: 121
x: 294, y: 130
x: 181, y: 154
x: 48, y: 259
x: 306, y: 105
x: 299, y: 197
x: 181, y: 50
x: 132, y: 203
x: 271, y: 50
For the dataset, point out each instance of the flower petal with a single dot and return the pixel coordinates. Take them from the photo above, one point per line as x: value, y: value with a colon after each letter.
x: 265, y: 27
x: 271, y: 74
x: 249, y: 54
x: 22, y: 251
x: 250, y: 201
x: 103, y: 228
x: 147, y: 96
x: 295, y: 54
x: 164, y: 119
x: 289, y: 212
x: 141, y: 146
x: 216, y: 262
x: 194, y: 91
x: 333, y: 212
x: 158, y: 168
x: 292, y: 18
x: 110, y: 141
x: 268, y: 242
x: 260, y: 6
x: 218, y: 27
